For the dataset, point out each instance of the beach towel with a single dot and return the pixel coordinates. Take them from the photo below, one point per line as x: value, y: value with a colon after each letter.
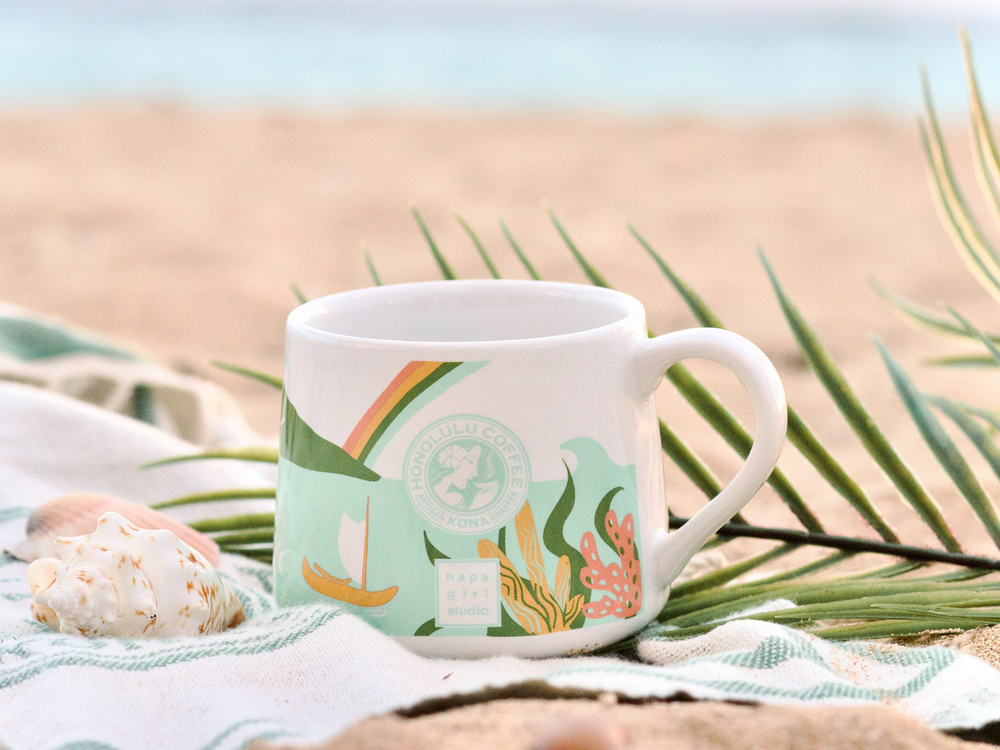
x: 49, y: 353
x: 307, y: 673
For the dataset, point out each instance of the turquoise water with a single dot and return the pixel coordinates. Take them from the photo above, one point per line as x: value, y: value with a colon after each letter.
x: 332, y: 56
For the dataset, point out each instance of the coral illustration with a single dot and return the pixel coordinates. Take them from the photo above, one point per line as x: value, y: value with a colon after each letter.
x: 537, y: 608
x: 623, y: 580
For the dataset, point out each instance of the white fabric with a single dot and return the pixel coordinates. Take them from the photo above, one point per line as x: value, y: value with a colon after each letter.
x: 309, y: 672
x: 49, y: 353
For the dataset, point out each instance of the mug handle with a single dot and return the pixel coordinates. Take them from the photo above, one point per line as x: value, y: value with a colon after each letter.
x: 651, y: 358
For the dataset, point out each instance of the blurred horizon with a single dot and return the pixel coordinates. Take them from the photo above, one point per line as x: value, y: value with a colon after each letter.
x: 636, y: 57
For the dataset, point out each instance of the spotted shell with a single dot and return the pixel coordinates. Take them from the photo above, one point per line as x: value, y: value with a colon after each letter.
x: 128, y: 582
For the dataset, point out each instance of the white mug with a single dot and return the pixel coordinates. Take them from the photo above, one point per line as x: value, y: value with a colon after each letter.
x: 474, y: 467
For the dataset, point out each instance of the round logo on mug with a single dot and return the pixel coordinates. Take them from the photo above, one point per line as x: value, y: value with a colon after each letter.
x: 467, y: 474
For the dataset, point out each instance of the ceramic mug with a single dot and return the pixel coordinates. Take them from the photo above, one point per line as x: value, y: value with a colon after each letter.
x: 474, y: 467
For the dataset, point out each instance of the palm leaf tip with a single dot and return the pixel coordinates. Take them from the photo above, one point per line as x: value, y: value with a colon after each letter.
x: 694, y: 302
x: 593, y: 275
x: 372, y: 271
x: 521, y: 256
x: 442, y: 263
x: 480, y: 248
x: 298, y: 294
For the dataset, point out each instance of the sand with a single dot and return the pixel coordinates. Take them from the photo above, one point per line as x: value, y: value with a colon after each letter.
x: 180, y: 231
x: 557, y: 725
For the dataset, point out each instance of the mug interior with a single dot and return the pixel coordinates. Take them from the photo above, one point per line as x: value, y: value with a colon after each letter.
x: 466, y: 311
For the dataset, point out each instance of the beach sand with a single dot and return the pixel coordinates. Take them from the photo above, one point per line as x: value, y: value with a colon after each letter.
x: 180, y: 231
x: 582, y: 725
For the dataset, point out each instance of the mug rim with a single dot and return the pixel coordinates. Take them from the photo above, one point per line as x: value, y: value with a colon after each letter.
x: 633, y: 312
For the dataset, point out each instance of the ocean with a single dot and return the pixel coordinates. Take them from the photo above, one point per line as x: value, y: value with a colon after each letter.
x: 336, y: 56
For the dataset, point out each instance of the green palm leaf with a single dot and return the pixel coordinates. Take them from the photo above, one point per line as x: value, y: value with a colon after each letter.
x: 258, y: 454
x: 487, y: 260
x: 376, y: 279
x: 519, y: 252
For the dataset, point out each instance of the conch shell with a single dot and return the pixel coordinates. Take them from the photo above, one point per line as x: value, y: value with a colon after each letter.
x: 123, y: 581
x: 77, y: 513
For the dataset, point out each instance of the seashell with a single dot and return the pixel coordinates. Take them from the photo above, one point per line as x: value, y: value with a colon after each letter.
x: 128, y: 582
x: 77, y: 513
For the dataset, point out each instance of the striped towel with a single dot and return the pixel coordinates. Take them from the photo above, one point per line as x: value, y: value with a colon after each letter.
x: 49, y: 353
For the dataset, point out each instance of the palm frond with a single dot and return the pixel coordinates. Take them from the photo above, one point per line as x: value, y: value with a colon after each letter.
x: 850, y: 544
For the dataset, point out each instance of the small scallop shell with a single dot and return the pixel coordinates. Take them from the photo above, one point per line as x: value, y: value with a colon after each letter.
x: 128, y: 582
x: 77, y: 513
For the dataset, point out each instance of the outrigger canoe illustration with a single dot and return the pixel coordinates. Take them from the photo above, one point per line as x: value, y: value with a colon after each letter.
x: 302, y: 446
x: 352, y: 546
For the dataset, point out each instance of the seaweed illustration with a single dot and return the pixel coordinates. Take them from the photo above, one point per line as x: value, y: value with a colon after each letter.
x: 623, y: 580
x: 555, y: 541
x: 536, y: 607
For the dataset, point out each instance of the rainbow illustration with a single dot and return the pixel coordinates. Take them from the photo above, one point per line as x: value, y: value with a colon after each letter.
x: 301, y: 445
x: 412, y: 380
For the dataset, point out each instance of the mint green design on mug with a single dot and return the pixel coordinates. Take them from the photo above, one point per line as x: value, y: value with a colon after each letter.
x: 467, y: 543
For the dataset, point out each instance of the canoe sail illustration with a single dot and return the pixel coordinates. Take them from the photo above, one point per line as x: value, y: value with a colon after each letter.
x: 352, y: 546
x: 416, y: 384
